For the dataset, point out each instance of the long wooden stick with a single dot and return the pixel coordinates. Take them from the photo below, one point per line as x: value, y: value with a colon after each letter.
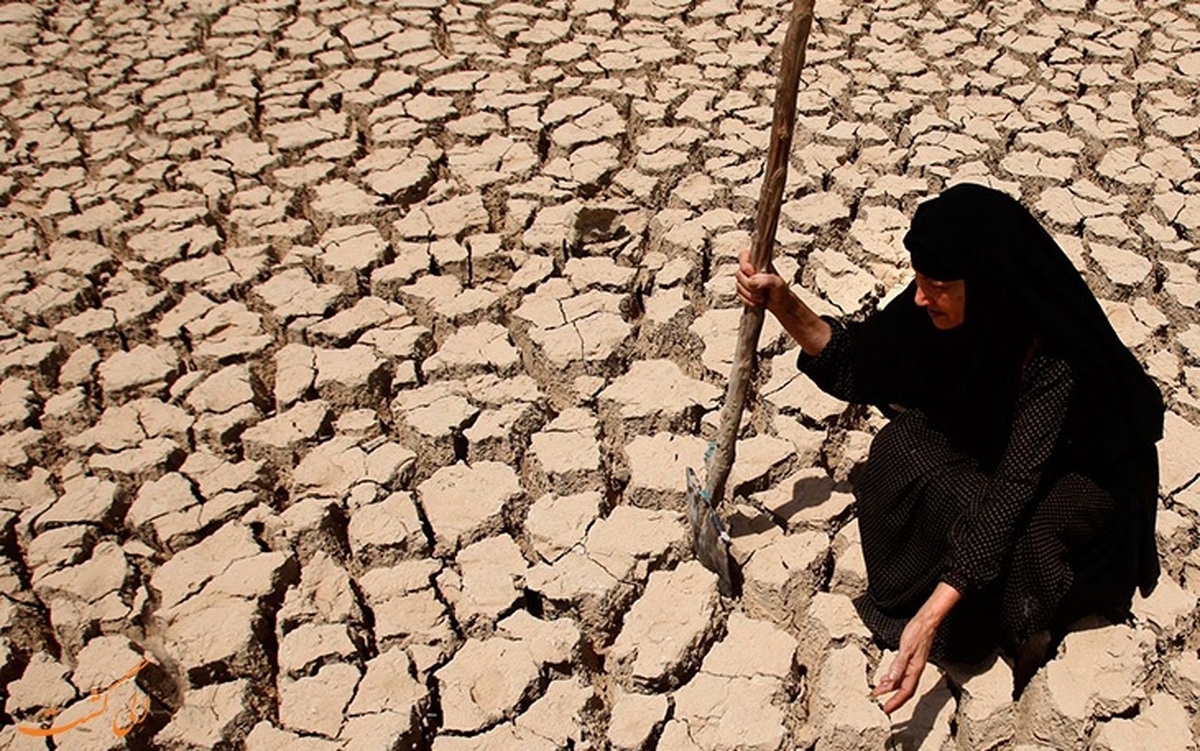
x: 765, y: 223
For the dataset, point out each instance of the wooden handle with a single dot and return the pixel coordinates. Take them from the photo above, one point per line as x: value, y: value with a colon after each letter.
x: 765, y: 223
x: 782, y: 126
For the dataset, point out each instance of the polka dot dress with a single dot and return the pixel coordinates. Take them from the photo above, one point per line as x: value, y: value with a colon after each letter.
x: 1011, y: 540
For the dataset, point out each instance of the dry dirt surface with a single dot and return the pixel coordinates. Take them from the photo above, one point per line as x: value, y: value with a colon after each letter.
x: 353, y: 354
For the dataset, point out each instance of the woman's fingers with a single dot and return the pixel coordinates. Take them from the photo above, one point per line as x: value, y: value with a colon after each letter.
x: 744, y: 261
x: 756, y: 288
x: 749, y: 289
x: 747, y: 300
x: 908, y: 688
x: 908, y: 685
x: 891, y: 679
x: 902, y: 677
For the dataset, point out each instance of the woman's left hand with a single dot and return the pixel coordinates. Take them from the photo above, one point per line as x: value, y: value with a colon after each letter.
x: 905, y: 672
x: 916, y: 642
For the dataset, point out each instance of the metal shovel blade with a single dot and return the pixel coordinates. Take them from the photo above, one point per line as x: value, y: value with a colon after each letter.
x: 710, y: 542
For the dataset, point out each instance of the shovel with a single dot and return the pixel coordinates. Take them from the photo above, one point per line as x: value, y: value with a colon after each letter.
x: 709, y: 539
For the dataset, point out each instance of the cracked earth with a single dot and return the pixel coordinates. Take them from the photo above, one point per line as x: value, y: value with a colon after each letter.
x: 353, y: 354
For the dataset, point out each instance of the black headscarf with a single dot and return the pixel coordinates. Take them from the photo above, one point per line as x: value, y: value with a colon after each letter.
x: 1023, y: 292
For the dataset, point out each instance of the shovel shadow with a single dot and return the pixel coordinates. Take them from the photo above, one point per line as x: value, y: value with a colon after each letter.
x: 807, y: 494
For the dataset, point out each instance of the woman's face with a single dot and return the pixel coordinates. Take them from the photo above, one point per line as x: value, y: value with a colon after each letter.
x: 945, y: 302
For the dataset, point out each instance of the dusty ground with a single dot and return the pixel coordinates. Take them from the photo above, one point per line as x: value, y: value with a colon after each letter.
x: 353, y: 353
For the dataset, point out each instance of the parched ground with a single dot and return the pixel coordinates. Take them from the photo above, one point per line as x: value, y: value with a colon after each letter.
x: 353, y: 353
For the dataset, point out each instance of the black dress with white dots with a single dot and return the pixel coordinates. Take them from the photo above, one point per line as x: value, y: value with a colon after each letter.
x: 1031, y: 542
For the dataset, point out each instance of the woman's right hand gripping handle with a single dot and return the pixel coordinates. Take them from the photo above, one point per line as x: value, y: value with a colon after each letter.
x: 769, y: 289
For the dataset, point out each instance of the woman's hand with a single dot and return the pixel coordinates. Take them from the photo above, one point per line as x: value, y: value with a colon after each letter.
x: 769, y: 289
x: 757, y: 290
x: 905, y: 672
x: 916, y: 642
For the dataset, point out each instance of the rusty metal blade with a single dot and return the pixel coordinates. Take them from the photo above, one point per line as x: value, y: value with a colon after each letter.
x: 710, y: 541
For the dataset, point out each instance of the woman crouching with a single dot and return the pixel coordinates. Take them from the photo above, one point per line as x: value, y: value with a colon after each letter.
x: 1014, y: 489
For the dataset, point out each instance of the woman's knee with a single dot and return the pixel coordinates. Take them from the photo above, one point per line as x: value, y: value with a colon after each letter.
x: 1075, y: 509
x: 899, y: 443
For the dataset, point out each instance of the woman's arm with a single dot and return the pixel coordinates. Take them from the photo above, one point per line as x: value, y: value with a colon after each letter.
x: 859, y: 362
x: 916, y: 642
x: 768, y: 289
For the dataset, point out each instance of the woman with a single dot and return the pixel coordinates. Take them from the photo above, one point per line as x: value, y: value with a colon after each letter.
x: 1015, y: 487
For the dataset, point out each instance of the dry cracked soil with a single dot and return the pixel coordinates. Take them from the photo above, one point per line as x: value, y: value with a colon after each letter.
x: 353, y: 353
